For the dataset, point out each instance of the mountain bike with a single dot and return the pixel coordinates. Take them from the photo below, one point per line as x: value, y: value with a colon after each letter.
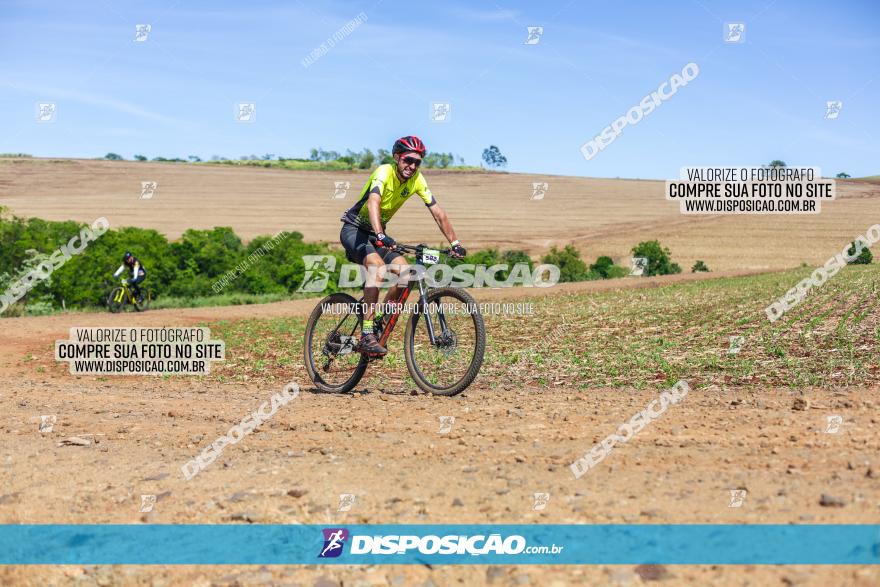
x: 122, y: 296
x: 444, y: 342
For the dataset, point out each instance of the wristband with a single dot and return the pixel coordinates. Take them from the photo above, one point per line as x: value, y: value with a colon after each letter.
x: 454, y: 243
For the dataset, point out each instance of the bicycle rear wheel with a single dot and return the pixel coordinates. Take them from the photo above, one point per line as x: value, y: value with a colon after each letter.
x: 448, y: 366
x: 116, y: 300
x: 329, y: 344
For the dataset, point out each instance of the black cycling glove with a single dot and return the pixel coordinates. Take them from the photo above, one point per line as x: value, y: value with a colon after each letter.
x: 383, y: 240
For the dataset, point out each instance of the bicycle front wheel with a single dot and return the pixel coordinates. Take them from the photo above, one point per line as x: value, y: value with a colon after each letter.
x: 116, y: 300
x: 451, y: 363
x: 329, y: 346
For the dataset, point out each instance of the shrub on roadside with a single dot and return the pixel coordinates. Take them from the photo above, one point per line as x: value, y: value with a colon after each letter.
x: 659, y: 258
x: 571, y: 266
x: 699, y: 266
x: 864, y: 258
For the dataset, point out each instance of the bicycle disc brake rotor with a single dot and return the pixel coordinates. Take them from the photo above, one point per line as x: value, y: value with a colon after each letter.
x: 447, y: 342
x: 338, y: 344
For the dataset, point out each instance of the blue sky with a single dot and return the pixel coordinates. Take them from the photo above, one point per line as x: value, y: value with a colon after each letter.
x: 174, y: 94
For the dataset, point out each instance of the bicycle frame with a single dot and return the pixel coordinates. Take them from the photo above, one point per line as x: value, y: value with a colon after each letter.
x: 124, y: 292
x: 423, y: 306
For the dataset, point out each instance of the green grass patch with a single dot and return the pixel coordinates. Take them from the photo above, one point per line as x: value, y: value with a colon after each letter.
x: 636, y: 338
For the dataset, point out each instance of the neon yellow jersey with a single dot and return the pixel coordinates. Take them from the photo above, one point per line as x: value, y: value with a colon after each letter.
x: 393, y: 193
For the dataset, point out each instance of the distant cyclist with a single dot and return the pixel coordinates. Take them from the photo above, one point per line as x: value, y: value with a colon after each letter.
x: 363, y: 231
x: 138, y: 273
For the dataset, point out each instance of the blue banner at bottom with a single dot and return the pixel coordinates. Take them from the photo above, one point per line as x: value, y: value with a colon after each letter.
x: 480, y: 544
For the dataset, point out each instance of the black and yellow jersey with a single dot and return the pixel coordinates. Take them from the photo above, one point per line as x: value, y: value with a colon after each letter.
x: 393, y: 193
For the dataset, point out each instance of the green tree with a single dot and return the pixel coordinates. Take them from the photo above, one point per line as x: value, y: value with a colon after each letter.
x: 384, y: 156
x: 659, y: 258
x: 843, y: 175
x: 699, y: 266
x: 366, y: 160
x: 864, y: 258
x: 113, y: 157
x: 776, y: 163
x: 602, y: 265
x: 493, y: 157
x: 571, y: 266
x: 140, y: 158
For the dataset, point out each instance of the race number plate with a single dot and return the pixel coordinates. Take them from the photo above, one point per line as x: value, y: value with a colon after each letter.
x: 430, y: 256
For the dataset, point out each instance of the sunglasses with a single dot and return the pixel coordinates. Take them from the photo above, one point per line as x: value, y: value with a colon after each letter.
x: 412, y: 161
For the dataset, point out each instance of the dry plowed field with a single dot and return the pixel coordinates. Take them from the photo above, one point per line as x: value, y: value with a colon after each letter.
x: 599, y: 216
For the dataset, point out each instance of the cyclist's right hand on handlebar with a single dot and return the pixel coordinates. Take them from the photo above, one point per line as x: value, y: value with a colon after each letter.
x: 383, y: 240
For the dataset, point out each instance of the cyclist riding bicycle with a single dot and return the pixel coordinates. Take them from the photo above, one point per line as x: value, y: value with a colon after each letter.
x: 138, y: 273
x: 363, y: 233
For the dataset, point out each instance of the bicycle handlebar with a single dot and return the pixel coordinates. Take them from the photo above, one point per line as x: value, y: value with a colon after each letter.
x: 417, y: 248
x: 411, y: 248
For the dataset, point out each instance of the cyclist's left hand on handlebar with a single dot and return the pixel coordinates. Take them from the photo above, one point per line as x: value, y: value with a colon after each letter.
x: 383, y: 240
x: 458, y: 251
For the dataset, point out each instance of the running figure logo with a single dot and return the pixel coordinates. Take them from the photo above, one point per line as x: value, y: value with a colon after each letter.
x: 148, y: 502
x: 334, y: 541
x: 318, y: 269
x: 539, y: 189
x: 734, y: 32
x: 639, y: 266
x: 534, y: 35
x: 141, y: 32
x: 148, y: 189
x: 541, y: 501
x: 832, y: 109
x: 737, y: 498
x: 47, y: 423
x: 346, y: 501
x: 340, y: 189
x: 441, y: 111
x: 834, y: 422
x: 46, y: 112
x: 245, y: 112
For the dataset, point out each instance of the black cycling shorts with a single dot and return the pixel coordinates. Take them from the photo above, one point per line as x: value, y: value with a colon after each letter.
x: 357, y: 245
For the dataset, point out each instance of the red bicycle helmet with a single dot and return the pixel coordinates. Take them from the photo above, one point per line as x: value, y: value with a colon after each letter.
x: 410, y: 144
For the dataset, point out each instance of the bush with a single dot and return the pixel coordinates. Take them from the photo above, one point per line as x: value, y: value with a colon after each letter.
x: 602, y: 266
x: 864, y: 258
x: 489, y: 257
x: 659, y: 258
x: 571, y: 267
x: 699, y: 266
x: 616, y: 272
x: 189, y: 267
